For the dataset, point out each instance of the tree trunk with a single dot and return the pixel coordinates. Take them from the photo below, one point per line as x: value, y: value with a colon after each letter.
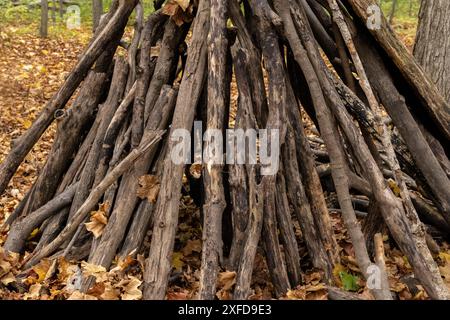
x: 432, y: 48
x: 43, y: 30
x: 97, y: 11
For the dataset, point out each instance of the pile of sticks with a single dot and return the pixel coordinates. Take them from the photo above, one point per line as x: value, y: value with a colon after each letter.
x: 381, y: 144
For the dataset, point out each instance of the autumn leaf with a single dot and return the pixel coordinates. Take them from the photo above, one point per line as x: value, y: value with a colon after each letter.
x: 77, y: 295
x: 170, y: 8
x: 445, y: 268
x: 177, y: 263
x: 192, y: 246
x: 33, y: 292
x: 297, y: 294
x: 33, y: 234
x: 97, y: 289
x: 41, y: 270
x: 5, y: 267
x: 177, y: 10
x: 394, y: 187
x: 196, y: 170
x: 338, y: 268
x: 27, y: 123
x: 99, y: 272
x: 132, y: 291
x: 184, y: 4
x: 148, y: 188
x: 98, y: 220
x: 226, y: 281
x: 110, y: 292
x: 182, y: 295
x: 8, y: 278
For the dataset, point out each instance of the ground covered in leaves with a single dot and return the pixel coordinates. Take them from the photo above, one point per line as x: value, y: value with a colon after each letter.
x: 31, y: 70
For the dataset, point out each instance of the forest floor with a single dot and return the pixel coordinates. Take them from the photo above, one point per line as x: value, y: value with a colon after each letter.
x: 31, y: 70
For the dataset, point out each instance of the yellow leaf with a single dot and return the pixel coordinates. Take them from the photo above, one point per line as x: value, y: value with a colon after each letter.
x: 33, y: 234
x: 177, y: 263
x: 394, y: 187
x: 27, y: 123
x: 41, y: 269
x: 338, y: 268
x: 5, y: 267
x: 445, y: 257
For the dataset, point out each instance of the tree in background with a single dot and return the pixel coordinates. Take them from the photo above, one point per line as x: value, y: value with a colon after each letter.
x: 43, y: 31
x: 432, y: 48
x: 97, y: 11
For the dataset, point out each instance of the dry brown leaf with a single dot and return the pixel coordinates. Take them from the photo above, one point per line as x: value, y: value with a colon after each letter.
x: 131, y: 290
x: 184, y: 4
x: 98, y: 220
x: 99, y: 272
x: 8, y: 278
x: 97, y: 289
x: 33, y: 292
x: 196, y: 170
x: 226, y: 281
x: 317, y: 295
x: 148, y: 188
x: 77, y: 295
x: 192, y: 246
x: 178, y: 10
x: 297, y: 294
x: 170, y: 8
x: 41, y: 270
x: 5, y: 267
x: 182, y: 295
x: 110, y: 292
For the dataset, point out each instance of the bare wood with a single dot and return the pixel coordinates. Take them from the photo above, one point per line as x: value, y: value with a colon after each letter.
x: 158, y: 264
x: 433, y: 102
x: 90, y: 203
x: 22, y: 227
x: 215, y: 204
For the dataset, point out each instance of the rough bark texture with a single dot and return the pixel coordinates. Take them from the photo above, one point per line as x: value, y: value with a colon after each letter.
x: 432, y: 47
x: 382, y: 174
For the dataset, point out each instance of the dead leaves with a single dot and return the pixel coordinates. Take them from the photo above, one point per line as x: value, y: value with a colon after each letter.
x: 77, y: 295
x: 8, y: 264
x: 148, y: 188
x: 225, y: 282
x: 109, y: 285
x: 179, y: 10
x: 444, y: 267
x: 314, y: 289
x: 98, y: 220
x: 192, y: 246
x: 131, y: 289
